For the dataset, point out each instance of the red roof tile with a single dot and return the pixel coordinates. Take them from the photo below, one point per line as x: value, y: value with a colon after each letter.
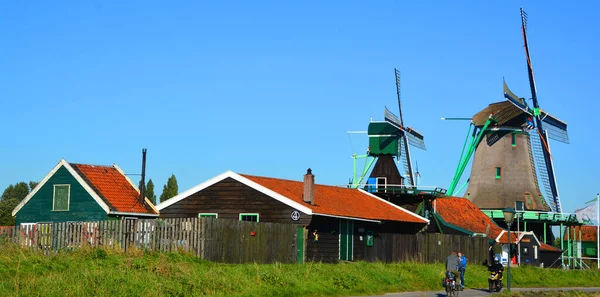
x: 339, y: 201
x: 588, y: 233
x: 549, y: 248
x: 113, y: 187
x: 463, y: 213
x: 504, y: 238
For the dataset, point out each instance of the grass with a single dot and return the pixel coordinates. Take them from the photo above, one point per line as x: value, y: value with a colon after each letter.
x: 98, y: 272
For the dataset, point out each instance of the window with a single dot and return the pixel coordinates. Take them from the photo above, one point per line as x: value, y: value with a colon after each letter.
x: 249, y: 217
x: 381, y: 184
x: 514, y: 140
x: 519, y: 205
x: 208, y: 215
x: 60, y: 201
x: 498, y: 172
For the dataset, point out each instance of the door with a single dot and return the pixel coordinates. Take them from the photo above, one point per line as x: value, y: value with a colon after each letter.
x: 346, y: 240
x: 300, y: 245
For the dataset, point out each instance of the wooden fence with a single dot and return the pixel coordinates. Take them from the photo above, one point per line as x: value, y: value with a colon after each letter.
x: 210, y: 239
x: 230, y: 241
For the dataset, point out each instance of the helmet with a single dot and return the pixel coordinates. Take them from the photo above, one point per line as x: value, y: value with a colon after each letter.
x: 496, y: 260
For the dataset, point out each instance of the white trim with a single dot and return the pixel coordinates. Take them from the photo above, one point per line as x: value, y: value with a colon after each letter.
x: 121, y: 213
x: 521, y: 234
x: 68, y: 196
x: 135, y: 187
x: 242, y: 180
x: 398, y: 207
x: 208, y: 214
x: 250, y: 214
x: 72, y: 171
x: 347, y: 218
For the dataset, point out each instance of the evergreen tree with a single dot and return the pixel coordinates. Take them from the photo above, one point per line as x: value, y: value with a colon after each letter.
x: 170, y: 189
x: 150, y: 191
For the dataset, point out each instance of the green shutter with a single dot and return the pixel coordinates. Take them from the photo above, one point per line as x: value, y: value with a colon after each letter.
x: 61, y: 198
x: 498, y: 172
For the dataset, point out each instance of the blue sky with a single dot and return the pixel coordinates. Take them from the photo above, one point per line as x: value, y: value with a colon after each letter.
x: 271, y: 88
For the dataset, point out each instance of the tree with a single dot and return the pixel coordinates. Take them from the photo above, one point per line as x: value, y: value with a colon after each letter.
x: 32, y: 185
x: 19, y: 191
x: 149, y: 191
x: 11, y: 197
x: 170, y: 189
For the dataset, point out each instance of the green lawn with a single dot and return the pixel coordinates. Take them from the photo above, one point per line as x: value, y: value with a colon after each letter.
x: 110, y: 273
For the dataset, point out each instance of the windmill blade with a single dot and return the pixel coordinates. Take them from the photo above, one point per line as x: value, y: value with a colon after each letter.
x: 392, y: 119
x: 516, y: 101
x: 399, y: 95
x: 415, y: 138
x: 545, y: 177
x: 404, y: 154
x: 557, y: 129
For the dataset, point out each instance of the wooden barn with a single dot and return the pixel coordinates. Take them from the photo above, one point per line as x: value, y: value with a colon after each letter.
x: 80, y: 192
x: 341, y: 223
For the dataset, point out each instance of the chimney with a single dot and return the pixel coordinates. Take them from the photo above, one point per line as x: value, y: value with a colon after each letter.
x: 309, y: 187
x: 143, y: 185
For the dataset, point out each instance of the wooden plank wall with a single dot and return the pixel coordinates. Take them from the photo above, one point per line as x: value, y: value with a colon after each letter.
x: 426, y: 248
x: 233, y: 241
x: 228, y: 241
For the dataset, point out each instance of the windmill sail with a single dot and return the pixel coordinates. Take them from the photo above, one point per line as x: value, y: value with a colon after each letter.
x: 518, y: 102
x: 557, y: 129
x: 539, y: 122
x: 542, y: 171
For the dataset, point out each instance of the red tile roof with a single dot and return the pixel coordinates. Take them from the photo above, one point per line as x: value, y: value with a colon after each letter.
x: 113, y: 187
x: 513, y: 237
x: 549, y: 248
x: 339, y: 201
x: 463, y: 213
x: 588, y: 233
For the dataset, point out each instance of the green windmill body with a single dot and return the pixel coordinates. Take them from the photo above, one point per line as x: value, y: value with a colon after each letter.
x: 389, y: 139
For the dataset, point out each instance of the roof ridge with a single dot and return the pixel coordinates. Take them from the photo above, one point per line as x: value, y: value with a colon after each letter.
x: 94, y: 165
x: 291, y: 180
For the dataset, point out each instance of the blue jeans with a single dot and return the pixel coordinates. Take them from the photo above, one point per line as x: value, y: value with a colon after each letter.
x: 462, y: 276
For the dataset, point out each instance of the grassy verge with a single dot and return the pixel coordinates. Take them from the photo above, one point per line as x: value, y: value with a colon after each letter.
x: 100, y: 272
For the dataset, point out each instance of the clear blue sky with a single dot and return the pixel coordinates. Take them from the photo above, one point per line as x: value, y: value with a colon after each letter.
x: 271, y: 88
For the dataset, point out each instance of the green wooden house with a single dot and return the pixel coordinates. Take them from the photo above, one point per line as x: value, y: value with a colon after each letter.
x: 587, y: 235
x: 80, y: 192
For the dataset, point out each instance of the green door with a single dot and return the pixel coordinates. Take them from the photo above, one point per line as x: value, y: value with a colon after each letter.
x: 346, y: 239
x: 300, y: 245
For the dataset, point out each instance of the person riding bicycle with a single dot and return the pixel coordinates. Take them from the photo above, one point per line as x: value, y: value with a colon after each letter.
x: 453, y: 264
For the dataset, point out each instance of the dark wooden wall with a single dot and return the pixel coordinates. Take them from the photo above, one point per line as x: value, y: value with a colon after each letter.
x: 327, y: 248
x: 229, y: 198
x: 425, y: 247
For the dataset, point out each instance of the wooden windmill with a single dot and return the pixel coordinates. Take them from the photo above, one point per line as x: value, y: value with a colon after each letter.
x: 390, y: 139
x: 515, y: 155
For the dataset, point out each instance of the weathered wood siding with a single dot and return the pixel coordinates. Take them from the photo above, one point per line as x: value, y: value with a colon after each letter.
x: 229, y: 198
x: 327, y: 248
x: 82, y: 207
x: 425, y: 247
x: 227, y: 241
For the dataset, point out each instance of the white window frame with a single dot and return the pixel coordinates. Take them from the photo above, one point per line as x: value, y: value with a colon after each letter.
x: 250, y: 214
x: 208, y: 215
x: 68, y: 196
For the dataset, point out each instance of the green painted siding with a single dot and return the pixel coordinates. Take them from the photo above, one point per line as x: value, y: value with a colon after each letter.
x: 383, y: 139
x: 82, y: 207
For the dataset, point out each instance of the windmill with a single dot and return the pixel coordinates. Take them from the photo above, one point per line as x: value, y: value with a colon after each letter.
x: 515, y: 156
x: 388, y: 139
